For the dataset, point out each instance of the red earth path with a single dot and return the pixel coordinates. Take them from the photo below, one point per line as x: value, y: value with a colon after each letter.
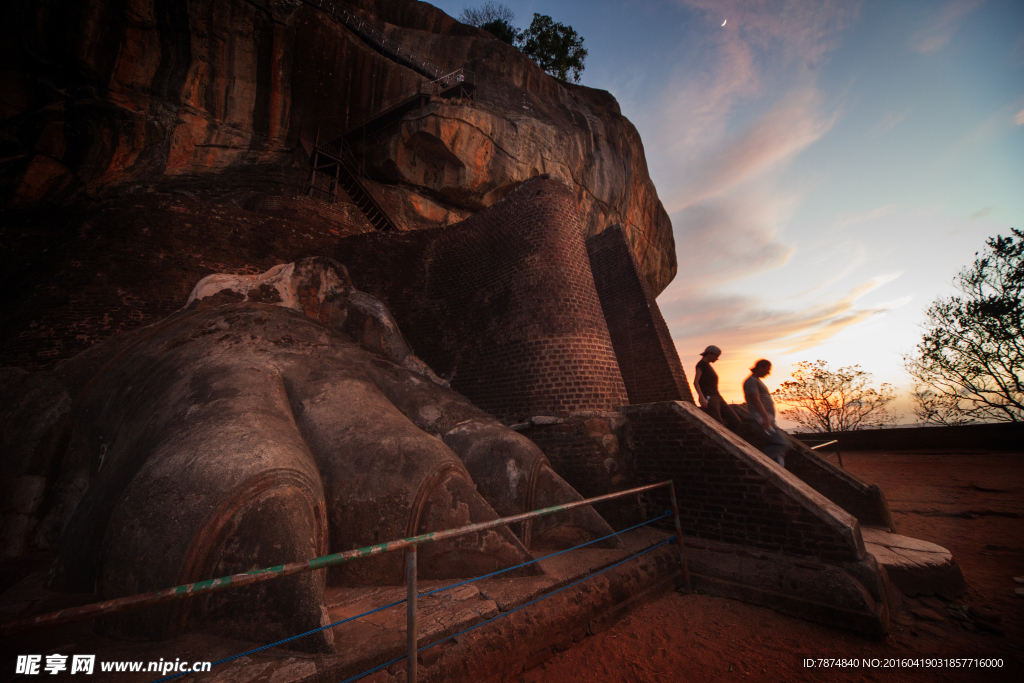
x: 971, y: 503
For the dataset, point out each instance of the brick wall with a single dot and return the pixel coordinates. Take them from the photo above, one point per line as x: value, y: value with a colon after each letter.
x: 727, y: 492
x: 865, y: 502
x: 502, y: 303
x: 643, y: 345
x: 589, y: 452
x: 578, y: 454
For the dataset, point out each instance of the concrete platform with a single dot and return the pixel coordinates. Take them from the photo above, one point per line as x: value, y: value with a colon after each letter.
x: 496, y: 651
x: 914, y: 566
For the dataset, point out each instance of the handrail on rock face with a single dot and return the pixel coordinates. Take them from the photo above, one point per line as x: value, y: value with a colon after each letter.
x: 335, y: 146
x: 347, y: 172
x: 375, y: 37
x: 457, y: 77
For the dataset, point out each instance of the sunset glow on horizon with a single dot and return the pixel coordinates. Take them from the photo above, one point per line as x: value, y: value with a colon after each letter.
x: 828, y: 166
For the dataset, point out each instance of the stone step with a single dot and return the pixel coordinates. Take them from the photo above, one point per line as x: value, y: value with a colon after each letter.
x: 914, y: 566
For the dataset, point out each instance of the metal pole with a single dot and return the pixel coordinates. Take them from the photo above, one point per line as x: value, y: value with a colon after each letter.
x: 312, y: 175
x: 410, y: 600
x: 679, y: 536
x: 829, y: 443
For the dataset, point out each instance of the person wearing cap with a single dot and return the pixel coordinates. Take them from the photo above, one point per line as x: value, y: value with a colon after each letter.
x: 705, y: 380
x: 761, y: 409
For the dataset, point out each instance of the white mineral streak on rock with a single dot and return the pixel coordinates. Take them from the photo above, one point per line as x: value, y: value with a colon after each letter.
x: 515, y: 475
x: 279, y: 277
x: 460, y: 427
x: 282, y: 278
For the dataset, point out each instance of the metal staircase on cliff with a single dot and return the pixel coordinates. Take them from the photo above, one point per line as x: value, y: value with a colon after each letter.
x: 333, y: 165
x: 332, y: 162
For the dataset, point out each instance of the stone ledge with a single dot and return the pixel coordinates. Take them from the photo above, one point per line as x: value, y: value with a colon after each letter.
x: 914, y: 566
x: 839, y: 596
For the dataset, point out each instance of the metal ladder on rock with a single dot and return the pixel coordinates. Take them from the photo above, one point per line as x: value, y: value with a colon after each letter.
x: 330, y: 155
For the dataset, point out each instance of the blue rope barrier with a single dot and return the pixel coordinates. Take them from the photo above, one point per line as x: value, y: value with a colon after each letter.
x: 376, y: 669
x: 511, y: 611
x: 281, y: 642
x: 546, y: 595
x: 421, y: 595
x: 524, y: 564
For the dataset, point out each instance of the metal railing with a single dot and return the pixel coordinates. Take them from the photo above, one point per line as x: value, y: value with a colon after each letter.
x: 376, y: 37
x: 118, y: 605
x: 457, y: 77
x: 836, y: 452
x: 355, y: 183
x: 460, y: 78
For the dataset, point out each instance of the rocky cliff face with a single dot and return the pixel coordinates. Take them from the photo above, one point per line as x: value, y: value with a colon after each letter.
x: 104, y: 100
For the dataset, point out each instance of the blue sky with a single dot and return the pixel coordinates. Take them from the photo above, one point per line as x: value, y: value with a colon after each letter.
x: 828, y: 166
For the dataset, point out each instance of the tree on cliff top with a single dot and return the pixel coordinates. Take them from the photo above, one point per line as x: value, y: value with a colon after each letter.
x: 555, y: 47
x: 824, y: 400
x: 502, y: 30
x: 489, y: 12
x: 494, y: 18
x: 970, y: 362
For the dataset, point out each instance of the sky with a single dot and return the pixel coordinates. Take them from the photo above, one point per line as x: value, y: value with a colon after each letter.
x: 829, y: 166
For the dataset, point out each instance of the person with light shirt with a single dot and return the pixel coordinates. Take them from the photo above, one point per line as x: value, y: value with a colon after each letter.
x: 761, y: 409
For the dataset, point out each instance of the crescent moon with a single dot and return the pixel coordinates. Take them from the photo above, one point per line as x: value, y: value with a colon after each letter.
x: 723, y: 23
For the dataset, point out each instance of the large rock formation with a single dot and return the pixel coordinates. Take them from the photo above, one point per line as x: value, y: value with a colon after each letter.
x: 104, y: 100
x: 249, y: 430
x: 149, y: 144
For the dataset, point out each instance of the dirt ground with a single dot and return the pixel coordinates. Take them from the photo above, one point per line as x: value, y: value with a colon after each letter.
x: 969, y: 503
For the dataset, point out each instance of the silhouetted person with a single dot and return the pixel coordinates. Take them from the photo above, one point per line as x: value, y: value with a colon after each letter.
x: 705, y: 380
x: 761, y: 410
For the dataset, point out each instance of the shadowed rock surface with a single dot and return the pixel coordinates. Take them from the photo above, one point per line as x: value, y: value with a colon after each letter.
x: 249, y: 430
x: 207, y: 100
x: 282, y: 414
